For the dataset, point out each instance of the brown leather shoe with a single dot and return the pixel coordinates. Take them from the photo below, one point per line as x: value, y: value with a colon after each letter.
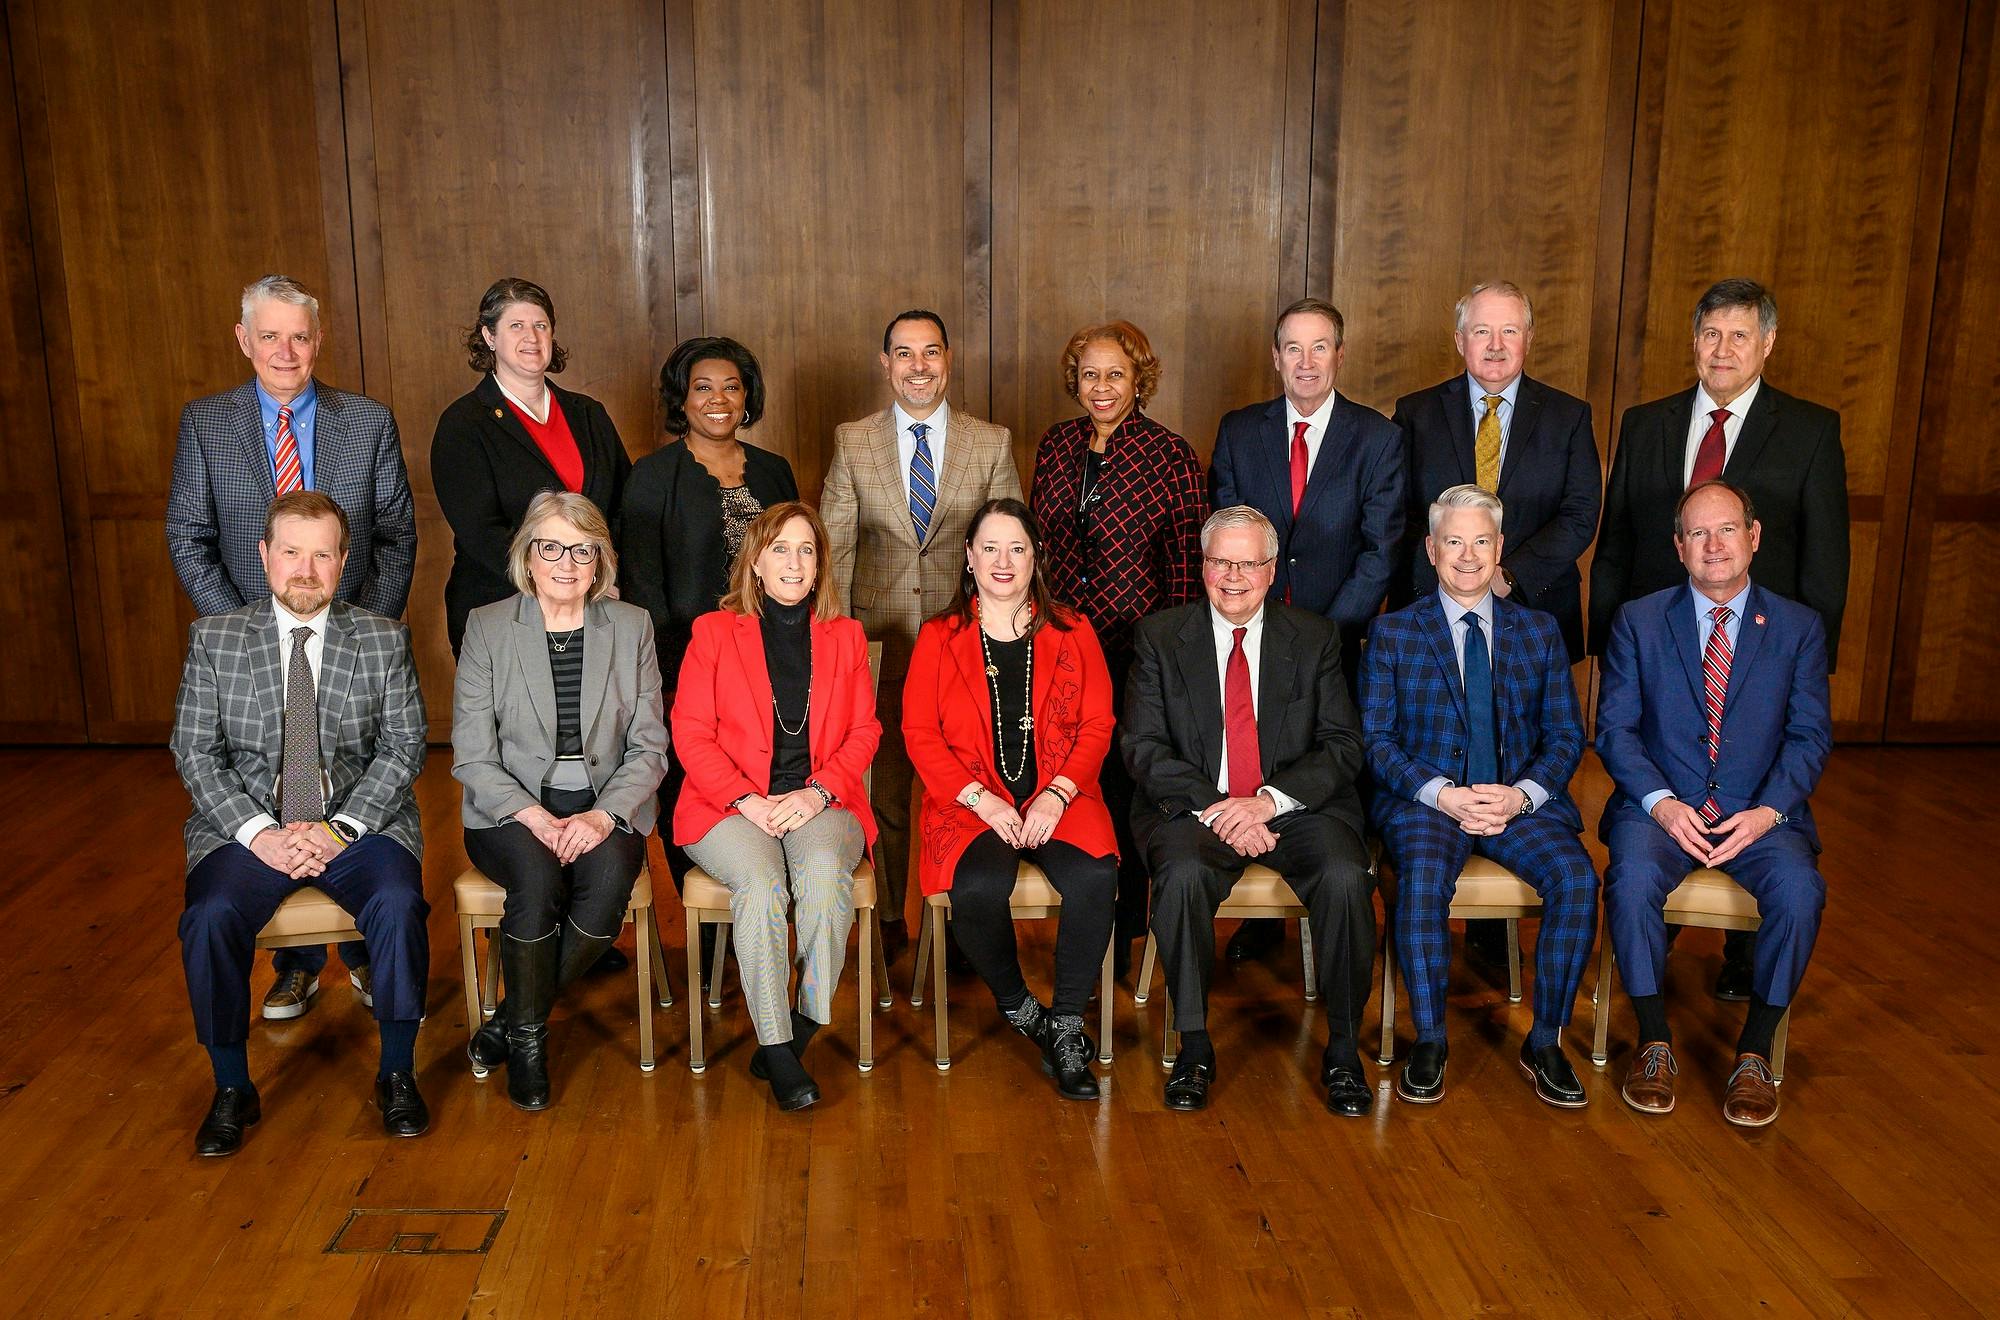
x: 291, y: 996
x: 1649, y: 1083
x: 1752, y: 1098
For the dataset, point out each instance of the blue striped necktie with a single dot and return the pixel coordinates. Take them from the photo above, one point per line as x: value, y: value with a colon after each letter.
x: 923, y: 482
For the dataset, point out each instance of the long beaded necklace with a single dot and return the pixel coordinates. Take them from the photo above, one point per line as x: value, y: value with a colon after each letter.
x: 804, y: 715
x: 1027, y: 720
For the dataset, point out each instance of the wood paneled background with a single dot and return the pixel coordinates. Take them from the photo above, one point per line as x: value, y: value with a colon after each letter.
x: 792, y: 174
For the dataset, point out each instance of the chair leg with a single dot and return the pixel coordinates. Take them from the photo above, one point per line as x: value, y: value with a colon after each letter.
x: 662, y: 981
x: 937, y: 989
x: 1306, y: 959
x: 1170, y: 1040
x: 1778, y: 1046
x: 1104, y: 1008
x: 1513, y: 960
x: 697, y: 1056
x: 489, y: 984
x: 864, y: 985
x: 1142, y: 989
x: 1600, y: 999
x: 884, y: 997
x: 721, y: 961
x: 642, y: 951
x: 469, y: 965
x: 922, y: 959
x: 1387, y: 1054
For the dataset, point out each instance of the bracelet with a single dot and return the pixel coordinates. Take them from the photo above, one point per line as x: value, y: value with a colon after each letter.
x: 333, y: 834
x: 1059, y: 795
x: 825, y: 798
x: 738, y: 803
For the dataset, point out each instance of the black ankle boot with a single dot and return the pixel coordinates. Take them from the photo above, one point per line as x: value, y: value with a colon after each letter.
x: 1066, y: 1052
x: 803, y: 1028
x: 791, y: 1085
x: 530, y: 969
x: 1028, y: 1017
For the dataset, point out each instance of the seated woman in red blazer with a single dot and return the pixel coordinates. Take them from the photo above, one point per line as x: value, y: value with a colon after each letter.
x: 774, y: 718
x: 1007, y: 716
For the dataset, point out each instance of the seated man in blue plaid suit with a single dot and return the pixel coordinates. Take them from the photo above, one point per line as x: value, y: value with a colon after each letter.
x: 299, y: 732
x: 1472, y: 731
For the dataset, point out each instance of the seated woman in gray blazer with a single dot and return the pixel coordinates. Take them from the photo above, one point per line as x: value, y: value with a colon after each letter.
x: 557, y: 738
x: 774, y: 718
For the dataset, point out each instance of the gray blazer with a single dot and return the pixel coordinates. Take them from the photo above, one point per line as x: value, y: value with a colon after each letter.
x: 229, y: 724
x: 503, y: 712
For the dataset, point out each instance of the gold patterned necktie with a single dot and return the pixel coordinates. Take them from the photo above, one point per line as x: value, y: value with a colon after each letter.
x: 1486, y: 447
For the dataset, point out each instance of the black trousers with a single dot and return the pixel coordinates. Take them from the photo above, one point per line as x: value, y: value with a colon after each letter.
x: 1135, y: 884
x: 984, y: 924
x: 1326, y: 864
x: 592, y: 891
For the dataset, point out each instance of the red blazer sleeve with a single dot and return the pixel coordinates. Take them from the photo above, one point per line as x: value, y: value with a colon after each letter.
x: 1094, y: 719
x: 858, y: 731
x: 711, y: 771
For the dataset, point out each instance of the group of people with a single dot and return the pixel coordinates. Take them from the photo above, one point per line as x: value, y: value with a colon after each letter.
x: 1140, y: 679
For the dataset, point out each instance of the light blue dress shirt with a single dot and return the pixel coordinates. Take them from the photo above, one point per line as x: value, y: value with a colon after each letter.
x: 1704, y: 625
x: 305, y: 411
x: 1479, y: 393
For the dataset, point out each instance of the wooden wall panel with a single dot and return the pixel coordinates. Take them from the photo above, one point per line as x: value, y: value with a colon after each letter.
x: 165, y: 175
x: 520, y: 140
x: 833, y: 184
x: 41, y: 686
x: 1140, y: 171
x: 1803, y: 146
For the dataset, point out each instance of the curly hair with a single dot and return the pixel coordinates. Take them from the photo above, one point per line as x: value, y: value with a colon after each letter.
x: 679, y: 368
x: 1131, y: 341
x: 499, y: 296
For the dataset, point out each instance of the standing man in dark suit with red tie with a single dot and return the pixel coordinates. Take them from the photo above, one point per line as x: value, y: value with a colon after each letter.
x: 1734, y: 425
x: 1329, y: 474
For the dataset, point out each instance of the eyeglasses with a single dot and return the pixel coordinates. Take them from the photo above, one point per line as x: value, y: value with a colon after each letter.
x: 1224, y: 567
x: 552, y: 551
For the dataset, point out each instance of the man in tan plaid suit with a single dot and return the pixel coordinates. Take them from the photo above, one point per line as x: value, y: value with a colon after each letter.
x: 903, y: 485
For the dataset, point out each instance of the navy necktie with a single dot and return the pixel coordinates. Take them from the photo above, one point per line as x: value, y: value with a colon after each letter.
x: 1482, y: 758
x: 923, y: 482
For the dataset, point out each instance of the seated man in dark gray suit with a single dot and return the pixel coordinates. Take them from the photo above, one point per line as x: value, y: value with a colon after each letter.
x: 299, y: 732
x: 279, y: 432
x: 1244, y: 745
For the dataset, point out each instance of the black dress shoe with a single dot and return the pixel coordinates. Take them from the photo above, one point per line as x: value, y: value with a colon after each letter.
x: 612, y: 959
x: 488, y: 1047
x: 1555, y: 1081
x: 791, y: 1085
x: 233, y: 1109
x: 1732, y: 983
x: 1187, y: 1085
x: 1066, y: 1051
x: 1422, y: 1081
x: 404, y: 1113
x: 1256, y: 938
x: 1347, y: 1091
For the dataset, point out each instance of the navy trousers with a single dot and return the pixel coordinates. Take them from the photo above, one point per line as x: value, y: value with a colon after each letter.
x: 1429, y: 850
x: 1646, y: 865
x: 231, y: 895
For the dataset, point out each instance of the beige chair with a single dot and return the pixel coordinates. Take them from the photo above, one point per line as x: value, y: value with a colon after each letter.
x: 1034, y: 898
x: 1706, y: 898
x: 480, y: 903
x: 1486, y: 889
x: 1258, y: 892
x: 307, y: 917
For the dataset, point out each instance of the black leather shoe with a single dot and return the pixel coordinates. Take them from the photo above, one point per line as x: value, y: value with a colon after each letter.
x: 233, y: 1109
x: 1187, y: 1085
x: 1256, y: 938
x: 1732, y: 983
x: 488, y: 1047
x: 1555, y: 1081
x: 791, y: 1085
x: 1347, y: 1091
x: 1422, y: 1081
x: 612, y: 959
x: 1066, y: 1051
x: 404, y: 1113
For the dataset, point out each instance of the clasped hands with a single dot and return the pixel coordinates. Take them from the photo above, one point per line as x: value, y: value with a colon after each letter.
x: 1031, y: 828
x: 301, y: 849
x: 1713, y: 847
x: 779, y: 816
x: 1482, y: 809
x: 568, y: 837
x: 1244, y: 823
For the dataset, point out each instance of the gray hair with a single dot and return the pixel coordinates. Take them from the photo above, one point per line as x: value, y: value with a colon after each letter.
x: 1465, y: 497
x: 279, y: 288
x: 1507, y: 287
x: 1240, y: 515
x: 578, y: 512
x: 1725, y: 294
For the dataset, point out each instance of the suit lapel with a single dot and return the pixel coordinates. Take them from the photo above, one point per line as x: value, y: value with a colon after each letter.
x: 1437, y: 631
x: 1273, y: 454
x: 1047, y: 642
x: 1506, y: 659
x: 957, y: 466
x: 267, y: 671
x: 1687, y: 640
x: 330, y: 439
x: 531, y: 653
x: 755, y: 673
x: 970, y: 658
x: 1756, y: 433
x: 248, y: 423
x: 1458, y: 420
x: 597, y: 635
x: 820, y: 687
x: 1196, y: 658
x: 1673, y: 445
x: 1277, y: 667
x: 1334, y: 447
x: 336, y: 678
x: 1749, y: 640
x: 1521, y: 431
x: 882, y: 445
x: 502, y: 416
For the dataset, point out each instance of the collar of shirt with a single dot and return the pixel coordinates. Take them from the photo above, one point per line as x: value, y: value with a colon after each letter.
x: 1704, y: 624
x: 1225, y: 642
x: 1478, y: 392
x: 1732, y: 425
x: 541, y: 414
x: 305, y: 412
x: 1316, y: 424
x: 1455, y: 613
x: 315, y: 644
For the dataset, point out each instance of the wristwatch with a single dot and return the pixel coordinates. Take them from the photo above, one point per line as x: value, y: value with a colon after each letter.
x: 971, y: 801
x: 347, y: 833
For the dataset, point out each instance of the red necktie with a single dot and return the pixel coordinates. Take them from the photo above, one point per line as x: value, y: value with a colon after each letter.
x: 1239, y: 725
x: 1715, y: 687
x: 1714, y: 448
x: 1298, y: 465
x: 290, y: 476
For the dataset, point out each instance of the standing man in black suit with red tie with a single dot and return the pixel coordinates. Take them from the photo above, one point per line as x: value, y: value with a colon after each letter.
x: 1329, y: 474
x: 1735, y: 425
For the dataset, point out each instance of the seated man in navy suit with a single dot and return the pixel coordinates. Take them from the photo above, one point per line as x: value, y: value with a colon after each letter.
x: 1472, y: 743
x: 1713, y: 720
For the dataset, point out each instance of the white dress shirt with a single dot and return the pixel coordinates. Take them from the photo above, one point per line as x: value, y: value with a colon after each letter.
x: 1315, y: 432
x: 1732, y: 426
x: 1456, y: 613
x: 1253, y: 650
x: 1507, y: 394
x: 541, y: 414
x: 906, y: 442
x: 315, y: 648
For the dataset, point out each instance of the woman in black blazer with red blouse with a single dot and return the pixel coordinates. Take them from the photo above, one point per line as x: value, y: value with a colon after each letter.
x: 515, y: 435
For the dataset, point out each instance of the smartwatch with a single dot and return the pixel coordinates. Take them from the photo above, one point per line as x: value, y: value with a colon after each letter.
x: 347, y: 833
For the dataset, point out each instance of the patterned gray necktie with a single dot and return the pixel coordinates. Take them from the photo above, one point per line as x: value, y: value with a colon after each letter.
x: 299, y: 796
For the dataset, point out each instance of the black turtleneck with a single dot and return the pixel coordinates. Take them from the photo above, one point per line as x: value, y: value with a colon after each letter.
x: 788, y: 656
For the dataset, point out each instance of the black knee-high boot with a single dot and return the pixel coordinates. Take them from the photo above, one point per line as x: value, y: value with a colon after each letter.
x: 580, y: 953
x: 530, y: 969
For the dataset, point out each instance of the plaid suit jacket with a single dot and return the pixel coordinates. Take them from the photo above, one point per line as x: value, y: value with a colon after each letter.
x: 229, y: 724
x: 1413, y: 704
x: 223, y: 487
x: 890, y: 581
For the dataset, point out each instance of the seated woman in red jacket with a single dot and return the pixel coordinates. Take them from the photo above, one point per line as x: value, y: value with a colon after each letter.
x: 1007, y: 715
x: 774, y: 718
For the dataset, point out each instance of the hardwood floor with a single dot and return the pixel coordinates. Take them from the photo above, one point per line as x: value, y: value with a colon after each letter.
x: 980, y: 1192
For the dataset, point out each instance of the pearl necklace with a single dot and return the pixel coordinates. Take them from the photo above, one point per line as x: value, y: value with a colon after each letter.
x: 1027, y: 721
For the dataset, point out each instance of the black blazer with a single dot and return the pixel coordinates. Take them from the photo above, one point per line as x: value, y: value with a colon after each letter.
x: 1788, y: 456
x: 1551, y: 486
x: 486, y: 469
x: 672, y: 560
x: 1307, y: 731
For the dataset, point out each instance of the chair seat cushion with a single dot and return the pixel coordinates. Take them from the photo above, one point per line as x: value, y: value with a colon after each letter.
x: 1710, y: 893
x: 1259, y: 886
x: 307, y: 912
x: 1486, y: 883
x: 702, y: 892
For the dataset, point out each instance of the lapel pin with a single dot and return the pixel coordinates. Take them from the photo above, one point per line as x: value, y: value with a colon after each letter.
x: 497, y: 414
x: 1760, y: 620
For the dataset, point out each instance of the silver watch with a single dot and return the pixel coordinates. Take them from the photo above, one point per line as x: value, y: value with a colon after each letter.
x: 971, y: 803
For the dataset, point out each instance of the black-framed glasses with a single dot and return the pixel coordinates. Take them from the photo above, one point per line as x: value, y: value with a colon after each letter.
x: 552, y: 551
x: 1224, y: 567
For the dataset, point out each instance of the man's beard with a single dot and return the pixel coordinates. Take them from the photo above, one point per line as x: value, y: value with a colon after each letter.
x: 304, y: 599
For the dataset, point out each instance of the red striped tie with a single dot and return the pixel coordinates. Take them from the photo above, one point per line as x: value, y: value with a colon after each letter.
x: 1715, y: 687
x: 290, y: 475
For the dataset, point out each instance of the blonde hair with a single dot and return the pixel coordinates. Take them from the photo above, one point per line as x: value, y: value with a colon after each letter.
x: 746, y: 593
x: 581, y: 514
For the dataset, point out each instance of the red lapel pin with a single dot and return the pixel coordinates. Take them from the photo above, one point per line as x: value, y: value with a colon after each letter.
x: 1760, y: 620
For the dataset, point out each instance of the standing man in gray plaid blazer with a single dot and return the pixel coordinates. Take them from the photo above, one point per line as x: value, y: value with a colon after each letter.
x: 299, y: 732
x: 903, y: 485
x: 278, y: 432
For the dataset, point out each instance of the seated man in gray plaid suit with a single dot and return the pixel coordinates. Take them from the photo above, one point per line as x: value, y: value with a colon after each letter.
x: 279, y: 432
x: 299, y: 732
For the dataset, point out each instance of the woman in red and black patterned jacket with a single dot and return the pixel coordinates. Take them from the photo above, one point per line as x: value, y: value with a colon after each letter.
x: 1121, y: 500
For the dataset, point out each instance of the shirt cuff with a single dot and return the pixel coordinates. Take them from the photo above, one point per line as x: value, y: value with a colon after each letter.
x: 353, y: 824
x: 1537, y: 795
x: 1653, y: 799
x: 255, y: 826
x: 1428, y: 794
x: 1280, y: 799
